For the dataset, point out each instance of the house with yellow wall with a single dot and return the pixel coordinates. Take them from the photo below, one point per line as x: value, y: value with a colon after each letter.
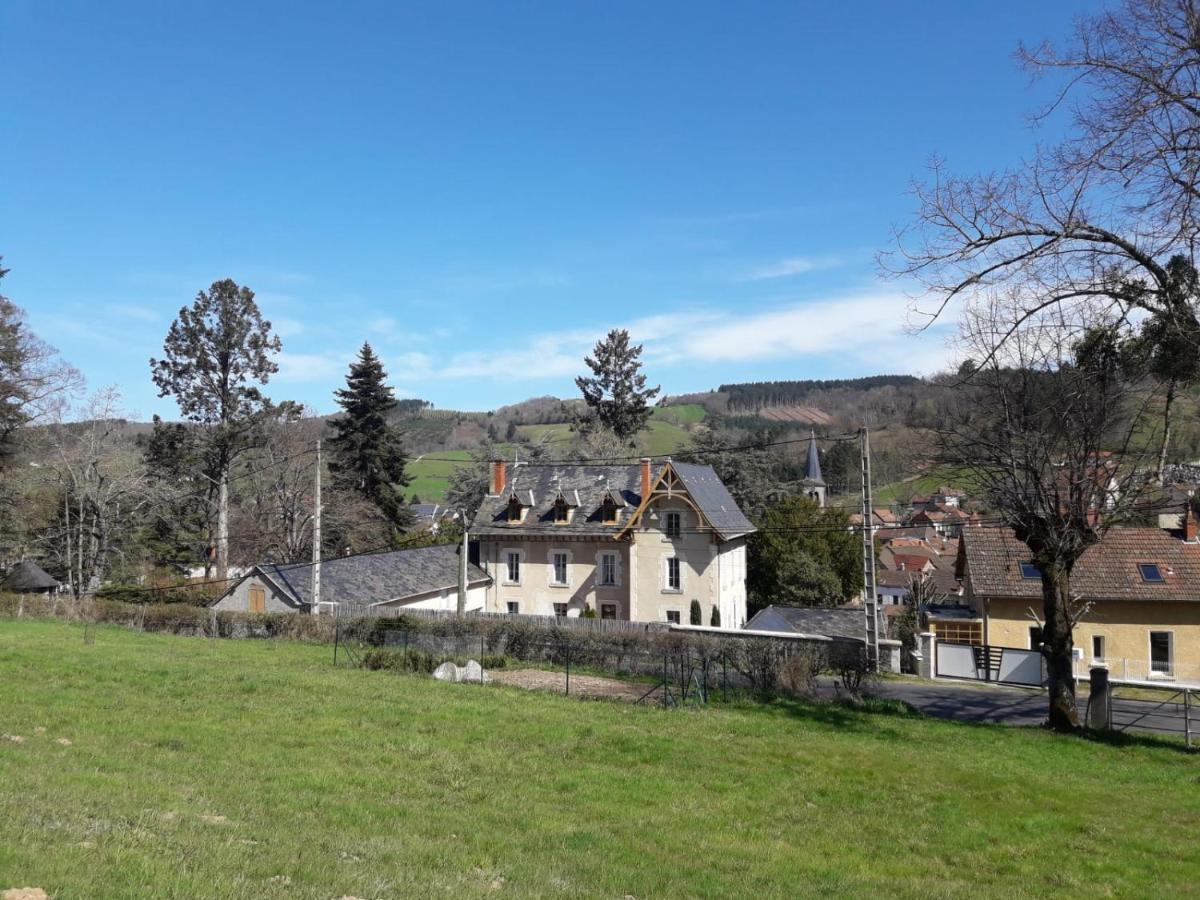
x: 1139, y: 589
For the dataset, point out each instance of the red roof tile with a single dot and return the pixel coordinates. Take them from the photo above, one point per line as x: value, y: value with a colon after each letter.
x: 1106, y: 571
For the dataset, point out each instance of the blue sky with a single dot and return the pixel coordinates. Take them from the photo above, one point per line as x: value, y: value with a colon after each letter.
x: 483, y: 189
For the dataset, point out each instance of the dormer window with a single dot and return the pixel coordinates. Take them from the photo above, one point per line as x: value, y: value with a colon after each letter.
x: 608, y: 511
x: 514, y: 509
x: 562, y: 512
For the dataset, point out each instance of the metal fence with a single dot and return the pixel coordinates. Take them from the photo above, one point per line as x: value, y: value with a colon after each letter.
x: 1151, y: 707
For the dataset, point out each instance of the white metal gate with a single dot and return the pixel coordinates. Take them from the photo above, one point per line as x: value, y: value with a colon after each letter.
x: 999, y: 665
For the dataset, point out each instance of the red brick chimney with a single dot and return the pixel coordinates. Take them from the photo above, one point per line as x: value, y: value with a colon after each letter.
x: 498, y: 475
x: 1189, y: 525
x: 645, y: 477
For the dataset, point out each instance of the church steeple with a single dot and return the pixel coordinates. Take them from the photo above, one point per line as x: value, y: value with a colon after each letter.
x: 812, y: 465
x: 813, y: 482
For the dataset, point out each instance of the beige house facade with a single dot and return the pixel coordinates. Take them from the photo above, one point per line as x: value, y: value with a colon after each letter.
x: 633, y: 543
x: 1140, y: 588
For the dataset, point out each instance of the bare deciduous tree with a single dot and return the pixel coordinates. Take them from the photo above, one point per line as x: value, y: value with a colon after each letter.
x: 1097, y: 216
x: 1054, y: 436
x: 104, y: 488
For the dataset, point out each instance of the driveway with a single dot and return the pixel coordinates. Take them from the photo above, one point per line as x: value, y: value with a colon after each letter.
x: 972, y: 702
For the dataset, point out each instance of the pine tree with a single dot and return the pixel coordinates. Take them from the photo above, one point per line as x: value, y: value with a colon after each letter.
x: 616, y: 395
x: 715, y: 620
x: 367, y: 453
x: 695, y: 617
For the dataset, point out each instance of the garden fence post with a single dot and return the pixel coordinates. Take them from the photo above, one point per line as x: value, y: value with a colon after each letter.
x: 1187, y: 717
x: 481, y: 659
x: 568, y: 670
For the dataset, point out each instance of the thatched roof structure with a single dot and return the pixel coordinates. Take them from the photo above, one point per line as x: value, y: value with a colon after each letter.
x: 27, y: 578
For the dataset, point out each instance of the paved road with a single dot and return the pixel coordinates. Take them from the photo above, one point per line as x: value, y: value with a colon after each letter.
x: 970, y: 702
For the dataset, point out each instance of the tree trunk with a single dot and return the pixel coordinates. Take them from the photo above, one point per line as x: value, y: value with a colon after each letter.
x: 1057, y: 649
x: 1166, y: 439
x: 223, y: 525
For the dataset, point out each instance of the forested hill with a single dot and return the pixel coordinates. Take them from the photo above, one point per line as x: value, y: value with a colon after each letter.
x: 756, y: 395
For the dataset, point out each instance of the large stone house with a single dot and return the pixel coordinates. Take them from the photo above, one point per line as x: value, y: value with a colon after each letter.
x: 631, y: 542
x: 1141, y: 587
x: 421, y: 578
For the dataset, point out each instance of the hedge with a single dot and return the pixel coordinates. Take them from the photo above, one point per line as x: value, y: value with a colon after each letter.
x: 765, y: 665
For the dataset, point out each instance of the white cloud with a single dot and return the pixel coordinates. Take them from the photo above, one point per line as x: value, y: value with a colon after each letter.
x: 872, y: 328
x: 792, y: 265
x: 299, y: 368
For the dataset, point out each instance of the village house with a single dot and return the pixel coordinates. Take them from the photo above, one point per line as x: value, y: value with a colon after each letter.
x: 1141, y: 588
x: 421, y: 578
x: 629, y: 542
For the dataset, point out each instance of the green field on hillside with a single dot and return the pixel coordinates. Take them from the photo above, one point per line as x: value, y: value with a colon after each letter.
x: 146, y: 765
x: 683, y: 414
x: 430, y: 476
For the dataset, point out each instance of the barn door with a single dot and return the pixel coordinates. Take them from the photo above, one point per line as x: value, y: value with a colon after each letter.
x: 258, y: 599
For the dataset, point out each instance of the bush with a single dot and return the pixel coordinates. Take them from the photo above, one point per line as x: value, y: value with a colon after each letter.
x: 715, y: 619
x: 399, y: 661
x: 695, y: 616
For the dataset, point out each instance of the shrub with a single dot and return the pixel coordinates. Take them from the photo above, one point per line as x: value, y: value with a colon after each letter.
x: 715, y: 619
x: 695, y: 616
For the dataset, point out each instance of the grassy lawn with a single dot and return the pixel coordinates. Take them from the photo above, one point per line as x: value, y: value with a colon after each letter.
x: 203, y: 768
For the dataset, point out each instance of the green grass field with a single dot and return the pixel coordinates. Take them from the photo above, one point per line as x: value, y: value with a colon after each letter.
x: 200, y: 768
x: 430, y: 477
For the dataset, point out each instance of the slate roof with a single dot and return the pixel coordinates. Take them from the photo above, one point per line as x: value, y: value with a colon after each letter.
x: 375, y: 577
x: 584, y: 487
x: 812, y: 463
x: 27, y: 576
x: 710, y: 494
x: 847, y: 622
x: 1106, y: 571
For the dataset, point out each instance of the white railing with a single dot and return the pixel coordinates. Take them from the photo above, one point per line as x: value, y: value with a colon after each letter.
x: 1127, y: 669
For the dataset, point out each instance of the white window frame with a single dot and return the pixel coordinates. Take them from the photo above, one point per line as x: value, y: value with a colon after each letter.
x: 552, y: 569
x: 667, y: 587
x: 608, y: 558
x: 554, y: 609
x: 1151, y: 672
x: 508, y: 554
x: 678, y: 616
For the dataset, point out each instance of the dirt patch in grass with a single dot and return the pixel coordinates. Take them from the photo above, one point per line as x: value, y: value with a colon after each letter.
x: 581, y: 685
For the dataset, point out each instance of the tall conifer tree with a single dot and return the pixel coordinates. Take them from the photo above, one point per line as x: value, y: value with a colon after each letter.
x: 367, y: 452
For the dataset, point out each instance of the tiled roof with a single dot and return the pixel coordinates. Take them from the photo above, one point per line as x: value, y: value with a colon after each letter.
x: 912, y: 562
x: 1106, y: 571
x: 585, y: 487
x: 375, y: 577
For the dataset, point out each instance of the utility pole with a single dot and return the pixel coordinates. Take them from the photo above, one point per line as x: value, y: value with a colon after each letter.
x: 316, y: 575
x: 868, y: 543
x: 462, y: 564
